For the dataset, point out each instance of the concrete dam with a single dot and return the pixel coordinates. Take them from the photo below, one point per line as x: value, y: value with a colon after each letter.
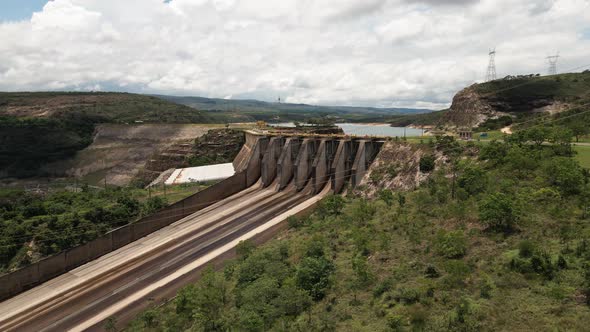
x: 146, y: 262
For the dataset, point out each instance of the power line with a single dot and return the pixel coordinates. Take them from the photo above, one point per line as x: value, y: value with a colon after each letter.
x: 491, y: 74
x: 552, y: 59
x: 529, y: 82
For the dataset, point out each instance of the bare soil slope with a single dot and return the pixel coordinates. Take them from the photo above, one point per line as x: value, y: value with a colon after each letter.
x: 118, y: 152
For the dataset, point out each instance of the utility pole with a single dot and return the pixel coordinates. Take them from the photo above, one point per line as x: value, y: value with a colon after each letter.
x: 491, y: 74
x: 552, y: 59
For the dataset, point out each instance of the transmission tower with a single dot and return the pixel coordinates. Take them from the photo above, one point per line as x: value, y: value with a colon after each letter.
x: 552, y: 59
x: 491, y: 75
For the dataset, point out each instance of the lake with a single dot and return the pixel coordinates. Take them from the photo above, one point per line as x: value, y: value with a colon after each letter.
x: 359, y: 129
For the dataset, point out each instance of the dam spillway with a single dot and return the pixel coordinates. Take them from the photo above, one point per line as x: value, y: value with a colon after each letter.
x: 146, y: 262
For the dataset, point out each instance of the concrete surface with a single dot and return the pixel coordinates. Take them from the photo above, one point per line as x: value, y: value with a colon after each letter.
x: 201, y: 174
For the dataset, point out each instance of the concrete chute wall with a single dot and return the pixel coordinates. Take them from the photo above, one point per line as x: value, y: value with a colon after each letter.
x: 359, y: 166
x: 270, y: 160
x: 321, y: 164
x: 339, y: 170
x: 304, y: 162
x: 285, y: 166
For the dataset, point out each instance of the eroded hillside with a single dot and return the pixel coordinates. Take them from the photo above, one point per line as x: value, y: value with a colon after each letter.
x: 521, y: 97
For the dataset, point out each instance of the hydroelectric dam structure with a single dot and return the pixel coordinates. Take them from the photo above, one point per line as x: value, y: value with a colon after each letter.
x: 146, y: 262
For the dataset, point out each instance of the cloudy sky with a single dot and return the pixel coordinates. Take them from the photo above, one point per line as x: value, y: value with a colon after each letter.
x: 404, y: 53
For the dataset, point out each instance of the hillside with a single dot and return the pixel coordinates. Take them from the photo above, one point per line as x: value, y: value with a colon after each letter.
x: 499, y: 103
x: 497, y: 238
x: 254, y: 110
x: 105, y: 107
x: 520, y: 97
x: 42, y: 127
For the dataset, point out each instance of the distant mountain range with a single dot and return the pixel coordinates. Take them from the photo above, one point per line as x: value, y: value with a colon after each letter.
x: 248, y: 110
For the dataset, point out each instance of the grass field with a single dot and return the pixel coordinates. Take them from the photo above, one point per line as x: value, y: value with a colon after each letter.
x: 583, y: 155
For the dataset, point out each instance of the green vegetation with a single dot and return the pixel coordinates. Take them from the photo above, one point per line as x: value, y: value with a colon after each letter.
x: 495, y: 240
x: 42, y: 127
x: 517, y: 91
x: 28, y: 143
x: 35, y: 224
x: 520, y: 95
x: 228, y: 110
x: 106, y: 107
x: 583, y: 155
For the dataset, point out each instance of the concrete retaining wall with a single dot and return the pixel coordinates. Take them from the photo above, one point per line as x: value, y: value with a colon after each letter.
x: 50, y: 267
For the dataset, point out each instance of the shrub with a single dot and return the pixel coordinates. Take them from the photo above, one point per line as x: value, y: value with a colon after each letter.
x: 407, y: 295
x: 499, y: 212
x: 382, y: 287
x: 395, y: 322
x: 526, y: 248
x: 473, y: 180
x: 451, y: 244
x: 427, y: 163
x: 431, y: 272
x: 386, y: 195
x: 486, y: 287
x: 565, y: 174
x: 332, y: 205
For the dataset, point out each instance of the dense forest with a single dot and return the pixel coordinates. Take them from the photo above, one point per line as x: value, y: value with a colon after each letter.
x: 498, y: 238
x: 37, y: 224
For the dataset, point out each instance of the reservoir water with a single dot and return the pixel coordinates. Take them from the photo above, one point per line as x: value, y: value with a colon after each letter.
x: 359, y: 129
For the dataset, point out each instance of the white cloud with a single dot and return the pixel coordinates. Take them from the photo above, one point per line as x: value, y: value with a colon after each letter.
x: 374, y: 52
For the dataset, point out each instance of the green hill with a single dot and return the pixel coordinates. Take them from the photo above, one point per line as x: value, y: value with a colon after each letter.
x: 255, y: 110
x: 513, y: 99
x: 41, y: 127
x: 520, y: 98
x: 497, y: 239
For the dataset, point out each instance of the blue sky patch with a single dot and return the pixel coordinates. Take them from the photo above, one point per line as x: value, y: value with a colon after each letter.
x: 18, y: 10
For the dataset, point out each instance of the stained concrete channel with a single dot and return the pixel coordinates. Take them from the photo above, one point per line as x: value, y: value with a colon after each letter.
x: 130, y: 268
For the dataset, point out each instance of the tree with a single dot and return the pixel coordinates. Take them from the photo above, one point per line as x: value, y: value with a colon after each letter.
x: 580, y: 128
x: 565, y: 174
x: 205, y: 301
x: 245, y: 248
x: 499, y: 212
x: 314, y: 276
x: 474, y: 180
x: 561, y: 139
x: 451, y: 244
x: 332, y: 205
x: 153, y: 204
x: 537, y: 134
x: 427, y: 163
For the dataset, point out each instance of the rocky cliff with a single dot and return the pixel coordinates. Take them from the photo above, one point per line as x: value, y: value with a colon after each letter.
x: 519, y: 96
